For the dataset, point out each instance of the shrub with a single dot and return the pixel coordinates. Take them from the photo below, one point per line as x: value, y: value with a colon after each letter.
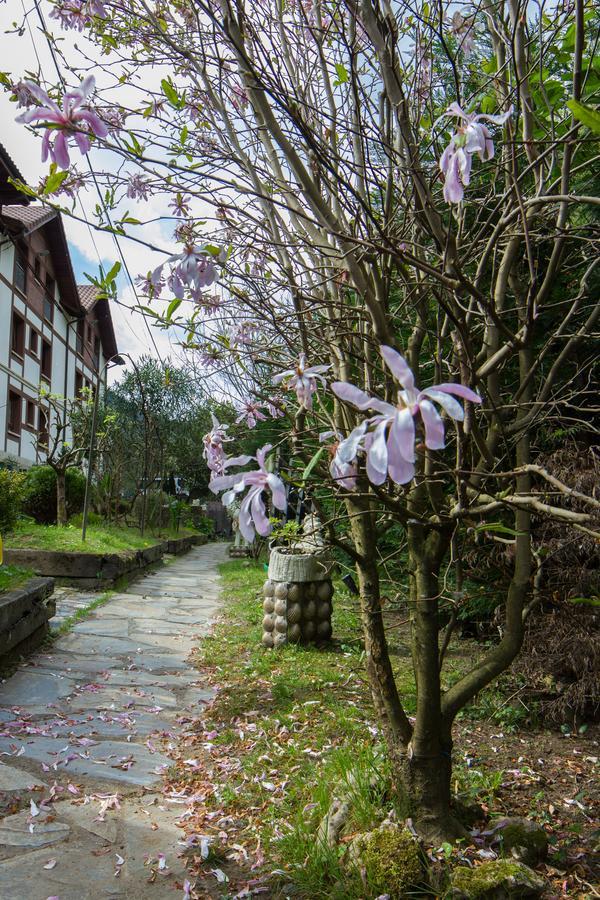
x: 39, y: 493
x: 158, y: 506
x: 11, y: 493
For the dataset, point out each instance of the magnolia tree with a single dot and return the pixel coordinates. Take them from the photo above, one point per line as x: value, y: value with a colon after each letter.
x: 386, y: 218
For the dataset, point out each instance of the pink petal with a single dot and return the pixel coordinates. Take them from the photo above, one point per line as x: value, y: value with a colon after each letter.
x: 398, y: 367
x: 402, y: 434
x: 99, y: 127
x: 456, y: 110
x: 434, y: 427
x: 263, y: 526
x: 451, y: 406
x: 498, y: 119
x: 277, y: 491
x: 459, y: 389
x: 245, y: 519
x: 377, y: 455
x: 349, y: 393
x: 400, y: 468
x: 61, y: 151
x: 347, y: 449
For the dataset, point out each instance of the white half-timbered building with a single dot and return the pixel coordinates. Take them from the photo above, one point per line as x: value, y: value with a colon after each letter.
x: 52, y: 331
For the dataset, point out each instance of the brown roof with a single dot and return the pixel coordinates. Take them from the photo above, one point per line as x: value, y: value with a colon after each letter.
x: 30, y: 217
x: 88, y: 295
x: 89, y: 299
x: 9, y: 193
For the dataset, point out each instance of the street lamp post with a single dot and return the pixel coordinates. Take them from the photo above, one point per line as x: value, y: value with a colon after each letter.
x: 88, y: 480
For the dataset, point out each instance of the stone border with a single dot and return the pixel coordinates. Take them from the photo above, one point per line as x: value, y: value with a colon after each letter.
x: 97, y: 570
x: 24, y: 615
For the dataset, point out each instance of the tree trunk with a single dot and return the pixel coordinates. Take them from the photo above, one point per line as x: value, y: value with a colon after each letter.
x: 61, y: 497
x: 427, y: 769
x: 428, y: 792
x: 396, y: 727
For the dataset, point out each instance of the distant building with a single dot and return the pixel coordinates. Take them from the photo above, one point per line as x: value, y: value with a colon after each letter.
x: 52, y: 331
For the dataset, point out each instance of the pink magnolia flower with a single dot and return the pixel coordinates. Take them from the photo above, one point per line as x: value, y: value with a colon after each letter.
x: 390, y: 446
x: 471, y: 137
x: 74, y: 120
x: 251, y: 414
x: 275, y: 407
x: 343, y: 467
x: 462, y: 25
x: 138, y: 187
x: 180, y: 205
x: 22, y: 94
x: 214, y: 451
x: 253, y: 515
x: 77, y: 13
x: 303, y: 380
x: 195, y: 269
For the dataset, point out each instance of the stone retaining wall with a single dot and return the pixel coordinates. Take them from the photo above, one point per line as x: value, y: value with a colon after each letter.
x: 92, y: 570
x: 24, y: 615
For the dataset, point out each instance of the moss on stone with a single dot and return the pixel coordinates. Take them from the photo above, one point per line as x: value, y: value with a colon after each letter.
x: 392, y: 861
x: 496, y: 880
x: 524, y: 840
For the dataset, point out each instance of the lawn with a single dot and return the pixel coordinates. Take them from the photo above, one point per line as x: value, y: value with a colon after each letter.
x: 99, y: 538
x: 12, y: 577
x: 290, y: 730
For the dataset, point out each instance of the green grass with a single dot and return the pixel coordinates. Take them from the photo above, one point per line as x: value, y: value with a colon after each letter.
x: 299, y: 719
x: 311, y: 709
x: 99, y: 539
x: 12, y: 577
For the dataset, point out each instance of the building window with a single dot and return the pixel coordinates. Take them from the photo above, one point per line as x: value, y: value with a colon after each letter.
x: 78, y: 384
x: 89, y: 333
x: 37, y: 268
x: 96, y: 351
x: 14, y: 412
x: 21, y: 267
x: 33, y: 342
x: 46, y: 360
x: 80, y: 334
x: 30, y: 416
x: 49, y: 297
x: 17, y: 344
x: 43, y: 430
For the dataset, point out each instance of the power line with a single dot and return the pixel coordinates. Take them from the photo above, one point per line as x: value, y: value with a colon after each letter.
x: 97, y: 186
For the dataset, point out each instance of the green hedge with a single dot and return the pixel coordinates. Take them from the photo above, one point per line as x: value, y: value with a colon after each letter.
x: 11, y: 494
x: 39, y: 493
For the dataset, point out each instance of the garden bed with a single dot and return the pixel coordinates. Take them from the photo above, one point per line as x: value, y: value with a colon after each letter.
x: 24, y: 615
x: 97, y: 570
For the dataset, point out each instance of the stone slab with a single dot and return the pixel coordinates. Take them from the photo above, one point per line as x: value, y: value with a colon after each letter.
x: 27, y: 688
x: 13, y: 779
x: 15, y: 832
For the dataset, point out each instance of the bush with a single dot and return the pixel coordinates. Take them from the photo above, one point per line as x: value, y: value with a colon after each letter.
x: 11, y: 493
x: 157, y: 510
x: 39, y: 493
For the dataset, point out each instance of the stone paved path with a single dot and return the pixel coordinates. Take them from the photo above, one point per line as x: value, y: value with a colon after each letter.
x: 83, y: 733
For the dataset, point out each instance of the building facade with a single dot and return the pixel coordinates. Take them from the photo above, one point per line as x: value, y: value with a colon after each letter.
x: 53, y: 333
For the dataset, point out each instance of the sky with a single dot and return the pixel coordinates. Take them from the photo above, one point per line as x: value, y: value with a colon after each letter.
x: 29, y: 52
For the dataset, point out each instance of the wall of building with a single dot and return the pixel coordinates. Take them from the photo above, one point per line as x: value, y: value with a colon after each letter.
x: 22, y: 374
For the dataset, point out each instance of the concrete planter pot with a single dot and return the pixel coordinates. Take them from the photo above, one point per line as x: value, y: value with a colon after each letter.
x: 297, y: 598
x: 299, y: 565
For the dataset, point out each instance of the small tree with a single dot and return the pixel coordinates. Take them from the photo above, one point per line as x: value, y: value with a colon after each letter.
x: 66, y: 441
